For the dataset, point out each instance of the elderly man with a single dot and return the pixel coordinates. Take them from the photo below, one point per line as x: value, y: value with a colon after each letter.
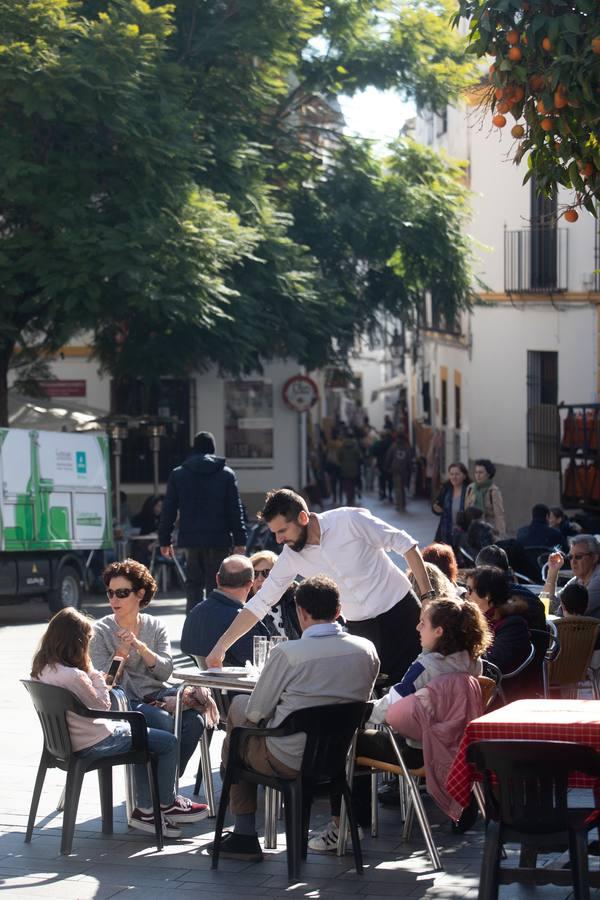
x: 207, y: 621
x: 325, y: 666
x: 585, y: 564
x: 350, y: 546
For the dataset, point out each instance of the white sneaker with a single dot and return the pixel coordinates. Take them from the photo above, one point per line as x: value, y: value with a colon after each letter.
x: 145, y: 822
x: 326, y: 841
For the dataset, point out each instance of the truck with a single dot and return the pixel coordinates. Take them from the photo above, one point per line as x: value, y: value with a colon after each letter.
x: 55, y: 509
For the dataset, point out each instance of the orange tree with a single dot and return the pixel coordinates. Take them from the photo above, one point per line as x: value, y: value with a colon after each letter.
x: 546, y: 74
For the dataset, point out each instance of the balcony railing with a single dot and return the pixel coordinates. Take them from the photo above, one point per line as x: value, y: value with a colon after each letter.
x: 536, y: 260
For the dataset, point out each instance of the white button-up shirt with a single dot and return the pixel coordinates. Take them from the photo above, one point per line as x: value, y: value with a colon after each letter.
x: 352, y: 551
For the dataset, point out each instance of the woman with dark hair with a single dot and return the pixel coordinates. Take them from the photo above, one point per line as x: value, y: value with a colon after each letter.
x: 282, y: 620
x: 486, y: 496
x: 63, y: 660
x: 490, y: 588
x: 142, y: 641
x: 450, y: 501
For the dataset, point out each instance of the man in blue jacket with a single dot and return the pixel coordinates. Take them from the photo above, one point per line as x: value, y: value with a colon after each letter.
x: 207, y: 621
x: 211, y: 520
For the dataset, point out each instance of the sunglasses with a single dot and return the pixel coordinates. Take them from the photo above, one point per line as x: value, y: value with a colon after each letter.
x: 264, y: 573
x: 121, y: 593
x: 578, y: 556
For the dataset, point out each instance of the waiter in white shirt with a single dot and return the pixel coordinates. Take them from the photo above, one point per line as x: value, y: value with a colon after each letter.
x: 349, y: 545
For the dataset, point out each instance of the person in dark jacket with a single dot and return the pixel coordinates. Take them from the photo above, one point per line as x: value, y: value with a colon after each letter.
x: 207, y: 621
x: 211, y: 520
x: 535, y: 613
x: 539, y: 533
x: 451, y: 501
x: 283, y: 618
x: 490, y: 588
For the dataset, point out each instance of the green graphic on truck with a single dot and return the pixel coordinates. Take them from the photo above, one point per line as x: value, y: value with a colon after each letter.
x: 55, y: 491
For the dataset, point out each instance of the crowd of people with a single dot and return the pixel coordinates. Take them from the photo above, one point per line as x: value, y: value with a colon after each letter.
x: 353, y: 621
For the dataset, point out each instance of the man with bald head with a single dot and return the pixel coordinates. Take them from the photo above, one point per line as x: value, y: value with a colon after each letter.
x: 207, y: 621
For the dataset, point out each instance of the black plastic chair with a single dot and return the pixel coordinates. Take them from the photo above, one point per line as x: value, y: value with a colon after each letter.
x: 526, y: 803
x: 547, y: 648
x: 52, y: 704
x: 329, y: 731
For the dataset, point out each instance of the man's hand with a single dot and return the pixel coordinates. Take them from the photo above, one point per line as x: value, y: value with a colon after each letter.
x: 215, y: 658
x: 167, y: 551
x: 241, y: 550
x: 555, y: 561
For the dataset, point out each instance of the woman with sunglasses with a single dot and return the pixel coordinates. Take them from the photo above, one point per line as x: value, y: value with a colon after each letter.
x: 143, y: 642
x: 282, y: 618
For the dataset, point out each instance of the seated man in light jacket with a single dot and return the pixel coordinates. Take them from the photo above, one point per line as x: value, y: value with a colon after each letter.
x: 325, y: 666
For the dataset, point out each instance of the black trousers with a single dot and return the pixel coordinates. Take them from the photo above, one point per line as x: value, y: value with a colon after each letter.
x: 202, y: 565
x: 395, y: 636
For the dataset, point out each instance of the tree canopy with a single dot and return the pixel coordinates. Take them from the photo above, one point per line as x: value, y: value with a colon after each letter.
x: 170, y: 179
x: 545, y: 72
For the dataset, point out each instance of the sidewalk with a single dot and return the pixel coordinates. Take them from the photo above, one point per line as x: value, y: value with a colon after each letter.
x: 125, y: 865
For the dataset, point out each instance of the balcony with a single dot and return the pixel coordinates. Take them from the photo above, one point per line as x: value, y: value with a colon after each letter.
x: 536, y: 260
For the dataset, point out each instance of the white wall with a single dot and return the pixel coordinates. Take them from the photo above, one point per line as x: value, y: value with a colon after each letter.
x: 496, y: 384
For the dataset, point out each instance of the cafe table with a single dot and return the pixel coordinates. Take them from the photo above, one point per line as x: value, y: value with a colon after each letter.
x: 577, y: 721
x: 240, y: 682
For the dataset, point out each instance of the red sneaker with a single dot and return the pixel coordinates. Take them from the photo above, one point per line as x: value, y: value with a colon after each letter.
x: 183, y: 810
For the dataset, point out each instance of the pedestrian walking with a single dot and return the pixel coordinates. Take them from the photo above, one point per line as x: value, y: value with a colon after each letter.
x: 204, y: 492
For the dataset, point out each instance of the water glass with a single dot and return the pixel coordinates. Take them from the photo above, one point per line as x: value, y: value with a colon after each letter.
x: 546, y: 599
x: 259, y: 652
x: 274, y: 641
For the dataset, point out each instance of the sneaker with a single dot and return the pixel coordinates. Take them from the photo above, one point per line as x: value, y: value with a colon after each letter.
x: 239, y: 846
x: 145, y: 822
x: 183, y: 810
x: 326, y: 841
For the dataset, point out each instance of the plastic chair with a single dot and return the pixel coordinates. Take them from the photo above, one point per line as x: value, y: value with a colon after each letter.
x: 577, y: 636
x: 329, y: 731
x: 526, y: 803
x: 547, y: 646
x: 507, y: 676
x: 52, y: 704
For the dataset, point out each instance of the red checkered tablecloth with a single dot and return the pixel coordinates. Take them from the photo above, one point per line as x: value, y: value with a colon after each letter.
x: 534, y: 720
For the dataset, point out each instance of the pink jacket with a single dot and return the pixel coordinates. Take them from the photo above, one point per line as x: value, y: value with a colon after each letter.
x: 436, y: 716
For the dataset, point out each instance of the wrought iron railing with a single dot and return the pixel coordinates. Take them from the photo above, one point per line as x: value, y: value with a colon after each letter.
x: 536, y: 260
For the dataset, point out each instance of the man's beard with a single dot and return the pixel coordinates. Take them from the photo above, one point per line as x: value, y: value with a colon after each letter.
x: 299, y: 545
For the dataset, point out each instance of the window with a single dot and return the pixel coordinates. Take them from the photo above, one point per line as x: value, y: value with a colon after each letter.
x: 457, y: 407
x: 544, y: 258
x: 542, y: 412
x: 249, y: 424
x: 170, y: 398
x: 444, y: 394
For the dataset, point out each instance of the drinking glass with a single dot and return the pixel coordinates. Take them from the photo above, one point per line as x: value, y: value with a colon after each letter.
x: 259, y: 652
x: 546, y: 599
x: 276, y: 640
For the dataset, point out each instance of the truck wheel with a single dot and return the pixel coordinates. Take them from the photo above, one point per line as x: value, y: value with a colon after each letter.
x: 67, y: 591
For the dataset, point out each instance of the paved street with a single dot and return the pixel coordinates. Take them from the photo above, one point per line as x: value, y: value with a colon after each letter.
x: 126, y: 865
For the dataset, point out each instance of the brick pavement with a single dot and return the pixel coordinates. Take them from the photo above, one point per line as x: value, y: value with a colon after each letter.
x: 125, y: 865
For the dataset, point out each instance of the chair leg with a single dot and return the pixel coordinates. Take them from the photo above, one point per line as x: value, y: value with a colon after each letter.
x: 223, y: 804
x: 209, y: 788
x: 478, y: 793
x: 307, y: 799
x: 61, y: 802
x: 106, y: 798
x: 490, y: 863
x: 200, y: 770
x: 271, y: 818
x: 578, y: 855
x: 152, y: 768
x: 527, y: 857
x: 293, y: 827
x: 73, y: 790
x: 35, y: 800
x: 374, y: 805
x: 356, y: 848
x: 417, y: 807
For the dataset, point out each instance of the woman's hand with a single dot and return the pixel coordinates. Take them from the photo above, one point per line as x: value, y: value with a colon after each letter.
x: 437, y: 509
x: 131, y: 642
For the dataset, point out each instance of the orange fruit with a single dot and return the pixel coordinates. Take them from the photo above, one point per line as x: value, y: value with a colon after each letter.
x: 499, y: 93
x: 536, y: 82
x: 560, y: 100
x: 547, y: 44
x: 547, y: 124
x: 596, y: 44
x: 499, y: 121
x: 587, y: 170
x: 541, y: 107
x: 512, y: 37
x: 503, y: 107
x: 518, y: 94
x: 571, y: 215
x: 517, y: 131
x: 515, y: 54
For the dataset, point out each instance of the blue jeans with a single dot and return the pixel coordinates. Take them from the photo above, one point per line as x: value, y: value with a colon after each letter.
x: 160, y: 743
x: 192, y: 726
